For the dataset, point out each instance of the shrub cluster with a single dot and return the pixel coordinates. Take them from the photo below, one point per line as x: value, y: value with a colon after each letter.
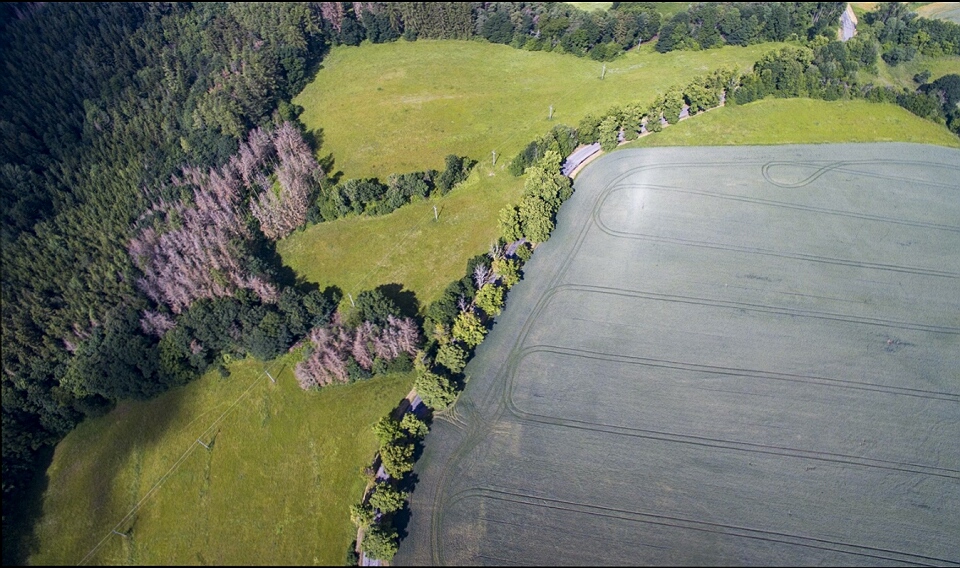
x: 372, y: 197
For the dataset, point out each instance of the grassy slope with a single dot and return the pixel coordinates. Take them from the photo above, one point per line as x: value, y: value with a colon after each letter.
x: 801, y: 121
x: 403, y: 106
x: 275, y: 488
x: 902, y: 75
x: 591, y: 6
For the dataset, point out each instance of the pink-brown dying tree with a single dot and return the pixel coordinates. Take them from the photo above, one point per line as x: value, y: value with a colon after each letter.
x: 335, y: 344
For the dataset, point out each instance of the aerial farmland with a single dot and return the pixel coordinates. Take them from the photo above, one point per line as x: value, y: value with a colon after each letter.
x: 722, y: 356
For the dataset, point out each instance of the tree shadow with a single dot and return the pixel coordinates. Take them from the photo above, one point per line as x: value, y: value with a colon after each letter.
x: 266, y: 259
x: 314, y: 138
x: 22, y: 515
x: 126, y: 430
x: 406, y: 300
x: 401, y: 518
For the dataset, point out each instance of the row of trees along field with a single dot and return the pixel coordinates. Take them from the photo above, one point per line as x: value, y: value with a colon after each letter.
x: 150, y: 157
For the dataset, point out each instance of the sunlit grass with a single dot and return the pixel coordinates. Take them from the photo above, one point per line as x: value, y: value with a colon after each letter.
x: 801, y: 121
x: 401, y: 107
x: 275, y: 487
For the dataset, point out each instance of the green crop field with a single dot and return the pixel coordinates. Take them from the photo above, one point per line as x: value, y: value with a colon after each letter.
x: 275, y: 487
x: 939, y: 10
x: 734, y: 356
x: 403, y: 106
x: 801, y: 121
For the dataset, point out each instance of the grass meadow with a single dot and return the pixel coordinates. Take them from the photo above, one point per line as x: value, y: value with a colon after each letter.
x: 403, y: 106
x: 408, y: 247
x: 275, y: 487
x: 284, y: 465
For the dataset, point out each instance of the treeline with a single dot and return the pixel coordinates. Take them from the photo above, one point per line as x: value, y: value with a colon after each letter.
x: 374, y: 197
x: 535, y: 26
x: 901, y: 34
x: 712, y: 24
x: 829, y: 72
x: 603, y: 35
x: 376, y: 512
x: 455, y: 325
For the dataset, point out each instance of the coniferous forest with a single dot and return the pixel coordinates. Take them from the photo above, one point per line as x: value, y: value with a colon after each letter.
x: 150, y: 158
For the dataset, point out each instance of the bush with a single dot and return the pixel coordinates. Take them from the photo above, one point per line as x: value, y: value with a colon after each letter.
x: 397, y: 459
x: 415, y: 427
x: 588, y: 131
x: 400, y: 364
x: 524, y: 252
x: 387, y: 430
x: 457, y: 170
x: 452, y: 357
x: 490, y: 299
x: 435, y: 390
x: 609, y: 129
x: 355, y: 372
x: 361, y: 515
x: 387, y: 498
x: 373, y: 306
x: 381, y: 543
x: 468, y: 329
x: 508, y: 270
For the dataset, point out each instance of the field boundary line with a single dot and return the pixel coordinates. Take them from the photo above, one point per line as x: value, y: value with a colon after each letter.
x: 787, y: 205
x: 733, y: 445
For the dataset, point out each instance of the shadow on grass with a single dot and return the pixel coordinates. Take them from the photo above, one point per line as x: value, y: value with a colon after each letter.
x: 405, y: 300
x: 118, y: 436
x: 20, y: 516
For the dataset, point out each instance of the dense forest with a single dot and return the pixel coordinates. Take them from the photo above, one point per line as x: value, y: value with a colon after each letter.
x: 150, y: 158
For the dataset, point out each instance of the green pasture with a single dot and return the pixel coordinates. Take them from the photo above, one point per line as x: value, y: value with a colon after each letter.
x: 902, y: 75
x: 402, y: 106
x: 801, y: 121
x: 407, y: 247
x: 666, y: 9
x: 275, y: 487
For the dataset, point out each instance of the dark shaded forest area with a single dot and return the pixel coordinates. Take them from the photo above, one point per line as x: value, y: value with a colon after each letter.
x: 150, y: 157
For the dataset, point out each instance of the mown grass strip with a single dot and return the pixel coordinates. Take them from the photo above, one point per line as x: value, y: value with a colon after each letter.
x: 801, y: 121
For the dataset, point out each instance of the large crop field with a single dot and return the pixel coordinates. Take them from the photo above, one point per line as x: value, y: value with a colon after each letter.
x: 724, y: 356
